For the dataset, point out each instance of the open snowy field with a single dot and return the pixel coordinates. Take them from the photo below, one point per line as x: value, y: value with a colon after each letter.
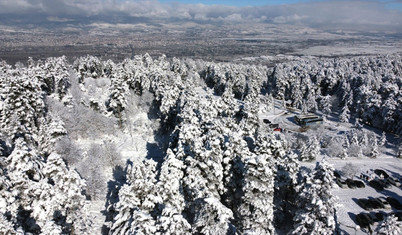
x: 347, y: 197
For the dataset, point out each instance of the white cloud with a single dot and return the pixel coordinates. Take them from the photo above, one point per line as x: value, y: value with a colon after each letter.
x: 289, y: 19
x: 16, y: 6
x: 322, y: 14
x: 57, y: 19
x: 234, y: 18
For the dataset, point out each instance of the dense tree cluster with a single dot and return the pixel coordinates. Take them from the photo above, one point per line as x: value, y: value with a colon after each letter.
x: 317, y: 213
x: 389, y: 226
x: 206, y: 163
x: 368, y: 88
x: 39, y: 193
x: 220, y: 171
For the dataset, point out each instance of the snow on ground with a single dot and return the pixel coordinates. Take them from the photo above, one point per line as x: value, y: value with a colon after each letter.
x: 140, y: 139
x: 347, y: 197
x: 98, y: 217
x: 356, y: 49
x: 137, y: 141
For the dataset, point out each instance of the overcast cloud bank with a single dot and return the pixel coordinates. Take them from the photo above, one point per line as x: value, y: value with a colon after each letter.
x: 349, y: 15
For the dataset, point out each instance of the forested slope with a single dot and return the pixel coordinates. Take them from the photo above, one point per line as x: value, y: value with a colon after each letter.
x: 218, y: 169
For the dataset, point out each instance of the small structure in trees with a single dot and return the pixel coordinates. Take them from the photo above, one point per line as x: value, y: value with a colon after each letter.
x: 308, y: 119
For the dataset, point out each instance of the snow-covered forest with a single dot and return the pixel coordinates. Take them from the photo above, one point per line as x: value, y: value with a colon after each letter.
x: 177, y: 146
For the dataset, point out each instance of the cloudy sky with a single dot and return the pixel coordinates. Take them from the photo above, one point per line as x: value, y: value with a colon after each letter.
x: 352, y: 14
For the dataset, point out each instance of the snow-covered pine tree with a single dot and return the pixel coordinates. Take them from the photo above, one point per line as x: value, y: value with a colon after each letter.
x: 24, y: 174
x: 249, y: 121
x: 88, y: 66
x: 345, y: 114
x: 311, y: 150
x: 6, y: 227
x: 49, y: 133
x: 285, y: 191
x: 344, y: 153
x: 256, y: 206
x: 296, y: 95
x: 346, y: 142
x: 229, y: 101
x: 197, y: 182
x: 363, y: 139
x: 22, y: 109
x: 137, y: 200
x: 389, y: 226
x: 236, y: 150
x: 326, y: 105
x: 254, y: 86
x: 374, y: 148
x: 6, y: 197
x: 56, y: 77
x: 383, y: 139
x: 67, y: 206
x: 311, y: 103
x: 212, y: 217
x: 360, y: 153
x: 119, y: 91
x: 354, y: 138
x: 45, y: 193
x: 170, y: 189
x: 200, y: 146
x: 388, y: 112
x: 317, y: 206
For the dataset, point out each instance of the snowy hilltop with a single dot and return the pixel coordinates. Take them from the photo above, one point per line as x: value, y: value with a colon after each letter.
x: 182, y: 146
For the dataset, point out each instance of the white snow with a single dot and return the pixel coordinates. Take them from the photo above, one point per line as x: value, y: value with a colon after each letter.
x: 348, y: 207
x: 110, y: 124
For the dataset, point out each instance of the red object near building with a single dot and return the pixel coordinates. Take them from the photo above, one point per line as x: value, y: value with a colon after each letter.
x: 278, y: 129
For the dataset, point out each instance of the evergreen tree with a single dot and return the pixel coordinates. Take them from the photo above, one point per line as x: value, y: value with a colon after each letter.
x: 310, y: 151
x: 119, y: 90
x: 346, y: 142
x: 169, y: 187
x: 285, y: 194
x: 212, y: 217
x: 374, y: 148
x: 256, y: 208
x: 6, y: 227
x: 383, y: 139
x: 88, y: 66
x: 311, y: 102
x: 137, y: 200
x: 317, y: 213
x: 22, y: 107
x: 354, y: 139
x: 364, y: 139
x: 345, y: 114
x: 66, y: 198
x: 389, y: 226
x: 45, y: 192
x: 344, y: 153
x: 297, y: 96
x: 326, y: 105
